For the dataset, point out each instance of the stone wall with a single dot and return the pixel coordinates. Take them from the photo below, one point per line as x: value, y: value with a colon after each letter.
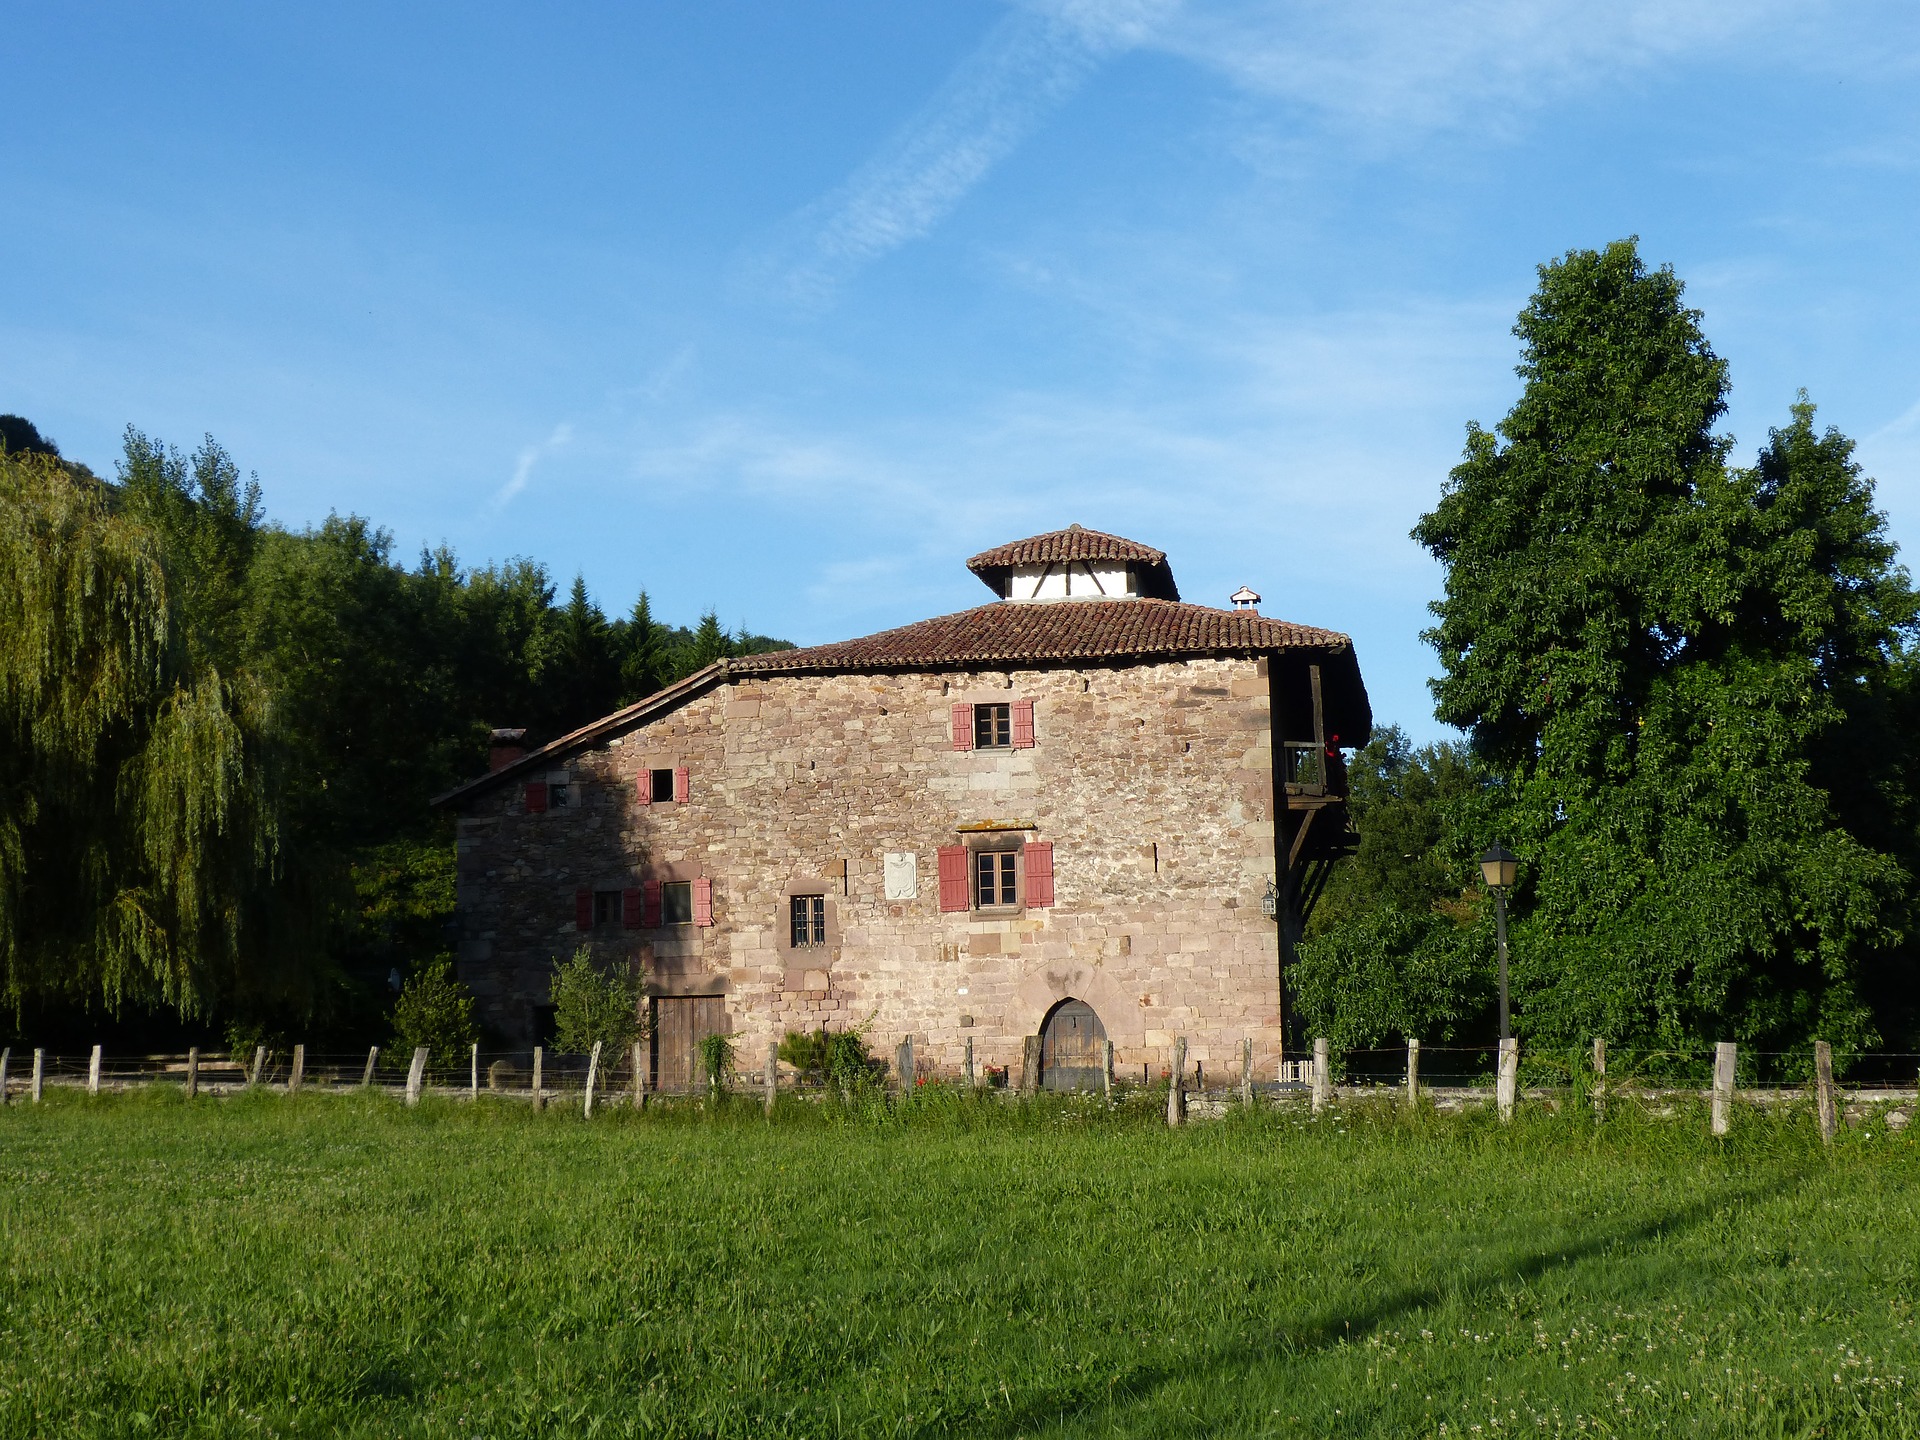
x: 1153, y: 783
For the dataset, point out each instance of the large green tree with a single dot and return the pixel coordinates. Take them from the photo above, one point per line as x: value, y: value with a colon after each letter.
x: 1669, y: 663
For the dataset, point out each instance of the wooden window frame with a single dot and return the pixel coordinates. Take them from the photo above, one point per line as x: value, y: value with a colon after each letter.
x: 1014, y: 847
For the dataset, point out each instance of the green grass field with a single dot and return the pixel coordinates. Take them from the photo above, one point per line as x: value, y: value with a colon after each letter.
x: 327, y: 1265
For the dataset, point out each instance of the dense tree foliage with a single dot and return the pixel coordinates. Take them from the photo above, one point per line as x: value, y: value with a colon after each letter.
x: 1689, y: 682
x: 218, y: 738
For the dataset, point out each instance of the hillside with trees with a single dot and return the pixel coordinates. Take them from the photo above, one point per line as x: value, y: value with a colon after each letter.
x: 218, y: 738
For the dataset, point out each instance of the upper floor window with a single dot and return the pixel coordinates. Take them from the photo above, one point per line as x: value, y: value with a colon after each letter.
x: 1000, y: 878
x: 664, y: 785
x: 606, y: 908
x: 808, y: 917
x: 676, y: 903
x: 559, y: 795
x: 993, y: 725
x: 995, y: 878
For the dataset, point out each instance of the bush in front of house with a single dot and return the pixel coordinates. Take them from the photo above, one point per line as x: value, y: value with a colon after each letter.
x: 436, y: 1010
x: 591, y: 1004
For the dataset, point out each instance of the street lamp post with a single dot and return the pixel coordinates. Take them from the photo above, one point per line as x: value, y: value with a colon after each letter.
x: 1498, y: 867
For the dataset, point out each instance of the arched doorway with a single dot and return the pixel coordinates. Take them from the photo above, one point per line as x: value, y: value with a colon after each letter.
x: 1072, y: 1047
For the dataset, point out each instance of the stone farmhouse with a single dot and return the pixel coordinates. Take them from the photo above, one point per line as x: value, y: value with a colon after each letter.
x: 1084, y: 811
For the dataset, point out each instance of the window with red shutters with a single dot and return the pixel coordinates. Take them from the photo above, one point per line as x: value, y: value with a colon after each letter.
x: 963, y: 727
x: 1023, y: 724
x: 703, y: 901
x: 583, y: 909
x: 1039, y: 874
x: 536, y: 797
x: 630, y: 909
x: 650, y: 899
x: 953, y: 878
x: 682, y: 785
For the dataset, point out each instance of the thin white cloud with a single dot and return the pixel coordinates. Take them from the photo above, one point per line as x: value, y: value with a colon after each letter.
x: 1399, y: 69
x: 1030, y: 63
x: 523, y: 467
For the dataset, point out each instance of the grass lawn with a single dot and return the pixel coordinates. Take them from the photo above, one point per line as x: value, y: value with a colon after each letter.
x: 342, y: 1266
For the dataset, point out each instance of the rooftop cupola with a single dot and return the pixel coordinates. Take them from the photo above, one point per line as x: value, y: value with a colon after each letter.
x: 1075, y: 564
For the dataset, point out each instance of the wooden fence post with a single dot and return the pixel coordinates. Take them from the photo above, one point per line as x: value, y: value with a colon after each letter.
x: 593, y: 1074
x: 1246, y: 1070
x: 773, y: 1075
x: 1106, y: 1070
x: 903, y: 1062
x: 259, y: 1066
x: 193, y: 1071
x: 1321, y: 1094
x: 1823, y: 1089
x: 295, y: 1075
x: 1507, y: 1087
x: 1030, y: 1065
x: 373, y: 1054
x: 39, y: 1072
x: 1724, y: 1055
x: 473, y: 1081
x: 1599, y: 1079
x: 1177, y: 1084
x: 639, y: 1076
x: 5, y: 1056
x: 416, y: 1075
x: 93, y: 1072
x: 969, y: 1062
x: 539, y: 1093
x: 1413, y: 1072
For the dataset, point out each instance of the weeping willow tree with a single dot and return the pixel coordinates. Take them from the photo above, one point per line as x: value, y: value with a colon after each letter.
x: 139, y: 847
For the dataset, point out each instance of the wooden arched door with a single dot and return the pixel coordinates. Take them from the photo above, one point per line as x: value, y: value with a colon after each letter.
x: 1072, y: 1047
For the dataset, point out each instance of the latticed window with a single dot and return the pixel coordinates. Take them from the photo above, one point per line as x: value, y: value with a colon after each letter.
x: 994, y: 878
x: 992, y: 727
x: 809, y: 915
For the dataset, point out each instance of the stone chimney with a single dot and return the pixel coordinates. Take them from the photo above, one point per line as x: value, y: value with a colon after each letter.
x: 507, y: 747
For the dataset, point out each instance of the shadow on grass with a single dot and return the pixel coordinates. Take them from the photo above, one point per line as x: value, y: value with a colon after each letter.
x: 1068, y: 1403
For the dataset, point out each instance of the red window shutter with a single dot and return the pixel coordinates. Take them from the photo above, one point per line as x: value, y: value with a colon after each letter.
x: 963, y: 727
x: 583, y: 909
x: 643, y: 787
x: 703, y: 901
x: 536, y: 797
x: 630, y: 909
x: 953, y: 876
x: 682, y: 785
x: 1039, y: 874
x: 1023, y: 724
x: 650, y: 896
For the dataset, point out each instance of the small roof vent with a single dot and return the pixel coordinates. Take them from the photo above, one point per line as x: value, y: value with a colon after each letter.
x: 1244, y: 599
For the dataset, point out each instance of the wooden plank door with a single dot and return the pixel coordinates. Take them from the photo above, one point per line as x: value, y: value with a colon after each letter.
x: 680, y: 1023
x: 1071, y: 1048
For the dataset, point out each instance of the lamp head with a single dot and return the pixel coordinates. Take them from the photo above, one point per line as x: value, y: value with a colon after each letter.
x: 1499, y: 867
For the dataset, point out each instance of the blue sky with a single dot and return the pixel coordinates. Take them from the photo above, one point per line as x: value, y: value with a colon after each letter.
x: 785, y: 309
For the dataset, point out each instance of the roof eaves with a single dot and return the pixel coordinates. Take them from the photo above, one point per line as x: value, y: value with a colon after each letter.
x: 657, y: 703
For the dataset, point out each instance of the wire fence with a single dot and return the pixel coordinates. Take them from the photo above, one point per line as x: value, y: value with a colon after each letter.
x: 1456, y: 1072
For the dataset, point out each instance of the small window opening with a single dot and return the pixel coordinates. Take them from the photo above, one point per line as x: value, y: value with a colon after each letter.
x: 676, y: 902
x: 995, y: 875
x: 660, y: 786
x: 559, y: 795
x: 992, y: 727
x: 809, y: 919
x: 606, y: 908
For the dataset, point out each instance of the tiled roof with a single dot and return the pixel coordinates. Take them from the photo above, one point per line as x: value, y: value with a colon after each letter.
x: 1072, y: 543
x: 1006, y: 633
